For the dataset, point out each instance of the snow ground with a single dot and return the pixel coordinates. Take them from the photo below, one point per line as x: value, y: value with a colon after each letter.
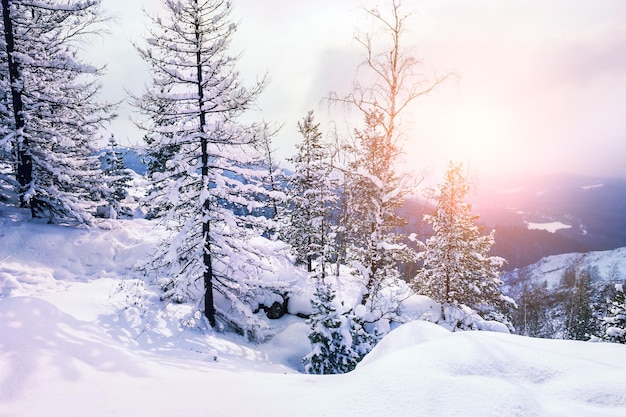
x: 72, y: 343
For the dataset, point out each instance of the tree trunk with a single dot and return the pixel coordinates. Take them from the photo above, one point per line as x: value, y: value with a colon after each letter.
x: 24, y: 172
x: 209, y: 305
x: 373, y: 264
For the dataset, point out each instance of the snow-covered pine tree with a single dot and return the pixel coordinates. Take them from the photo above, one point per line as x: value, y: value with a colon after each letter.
x: 312, y: 198
x: 377, y: 190
x: 374, y: 192
x: 157, y: 157
x: 273, y: 180
x: 56, y: 113
x: 192, y: 105
x: 615, y: 321
x: 457, y: 269
x: 117, y: 178
x: 363, y: 341
x: 339, y: 339
x: 330, y: 337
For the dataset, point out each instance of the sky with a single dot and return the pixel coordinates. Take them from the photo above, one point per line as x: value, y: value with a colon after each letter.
x: 540, y: 86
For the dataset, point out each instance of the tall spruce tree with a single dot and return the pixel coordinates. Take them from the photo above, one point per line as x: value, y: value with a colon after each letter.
x: 312, y: 197
x: 457, y: 269
x: 56, y: 112
x: 192, y: 107
x: 331, y: 344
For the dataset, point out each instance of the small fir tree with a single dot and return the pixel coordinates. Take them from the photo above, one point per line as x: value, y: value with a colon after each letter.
x: 339, y: 340
x: 330, y: 341
x: 363, y: 340
x: 272, y: 180
x: 161, y: 148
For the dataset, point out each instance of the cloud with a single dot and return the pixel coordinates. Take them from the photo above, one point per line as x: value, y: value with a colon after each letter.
x: 543, y: 82
x: 582, y: 60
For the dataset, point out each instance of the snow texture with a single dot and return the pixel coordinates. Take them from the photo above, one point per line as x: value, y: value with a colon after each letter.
x: 71, y: 344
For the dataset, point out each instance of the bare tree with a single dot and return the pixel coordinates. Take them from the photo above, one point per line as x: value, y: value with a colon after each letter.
x: 375, y: 189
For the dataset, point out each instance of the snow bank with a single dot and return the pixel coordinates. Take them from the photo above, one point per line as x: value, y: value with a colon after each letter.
x: 492, y: 374
x: 41, y: 255
x: 289, y: 346
x: 55, y: 365
x: 406, y: 336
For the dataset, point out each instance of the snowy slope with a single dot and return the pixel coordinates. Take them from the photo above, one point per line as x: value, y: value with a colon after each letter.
x: 73, y: 344
x: 610, y: 264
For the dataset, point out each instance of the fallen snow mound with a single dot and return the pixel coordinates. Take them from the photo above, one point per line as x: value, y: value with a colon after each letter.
x: 408, y: 335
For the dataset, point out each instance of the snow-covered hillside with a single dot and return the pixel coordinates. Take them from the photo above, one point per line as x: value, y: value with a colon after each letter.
x: 79, y: 336
x: 610, y: 264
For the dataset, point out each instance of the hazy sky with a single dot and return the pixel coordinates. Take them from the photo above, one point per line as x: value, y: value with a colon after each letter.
x: 541, y: 88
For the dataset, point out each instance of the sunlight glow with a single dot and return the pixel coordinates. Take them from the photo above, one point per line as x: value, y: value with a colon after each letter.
x: 479, y: 134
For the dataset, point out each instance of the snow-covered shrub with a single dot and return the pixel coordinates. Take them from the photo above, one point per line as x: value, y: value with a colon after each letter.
x: 331, y: 341
x: 364, y: 335
x: 339, y: 337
